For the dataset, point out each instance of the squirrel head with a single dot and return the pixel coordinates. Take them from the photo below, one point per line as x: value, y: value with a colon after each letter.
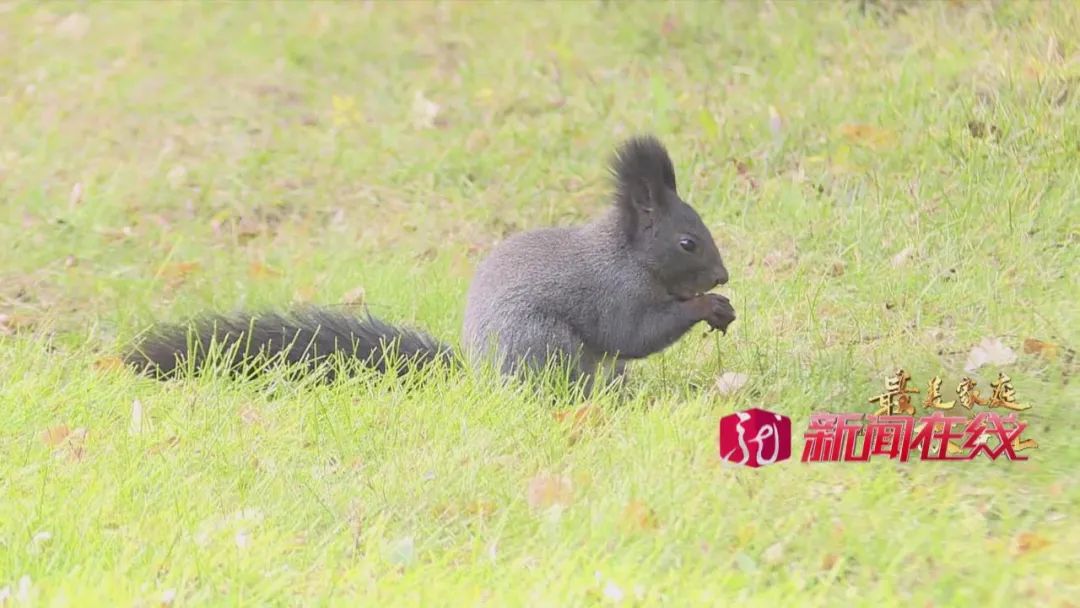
x: 664, y: 233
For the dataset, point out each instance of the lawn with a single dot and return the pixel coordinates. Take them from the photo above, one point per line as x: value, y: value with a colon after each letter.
x: 890, y: 184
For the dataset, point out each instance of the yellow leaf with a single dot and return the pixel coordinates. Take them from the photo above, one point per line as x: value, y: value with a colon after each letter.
x: 258, y: 270
x: 161, y: 446
x: 1047, y: 350
x: 54, y: 436
x: 109, y: 364
x: 547, y: 490
x: 867, y: 135
x: 639, y: 516
x: 1026, y: 542
x: 577, y: 421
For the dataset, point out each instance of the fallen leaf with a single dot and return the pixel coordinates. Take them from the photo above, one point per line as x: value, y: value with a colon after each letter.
x: 836, y: 269
x: 989, y: 351
x: 251, y: 416
x: 578, y: 420
x: 902, y: 257
x: 73, y: 446
x: 1046, y: 350
x: 639, y: 516
x: 76, y: 194
x: 161, y: 446
x: 345, y: 110
x: 480, y: 508
x: 176, y: 176
x: 1024, y: 444
x: 109, y: 364
x: 547, y: 490
x: 258, y: 270
x: 829, y: 561
x: 776, y: 123
x: 73, y: 26
x: 137, y: 425
x: 54, y: 436
x: 304, y: 293
x: 401, y: 552
x: 613, y: 593
x: 867, y: 135
x: 709, y: 124
x: 355, y: 297
x: 425, y: 112
x: 669, y: 26
x: 1026, y: 542
x: 779, y: 259
x: 12, y: 324
x: 774, y: 554
x: 979, y: 129
x: 730, y: 382
x: 179, y: 272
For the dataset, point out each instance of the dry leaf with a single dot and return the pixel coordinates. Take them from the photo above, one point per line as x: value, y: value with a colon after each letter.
x: 990, y: 351
x: 161, y: 446
x: 178, y: 272
x: 73, y: 446
x: 355, y: 297
x: 578, y: 420
x: 774, y: 554
x: 902, y: 258
x: 258, y: 270
x: 779, y: 259
x: 776, y: 123
x: 176, y: 176
x: 730, y: 382
x: 1024, y: 444
x: 73, y: 27
x: 251, y: 416
x: 829, y: 560
x: 76, y: 194
x: 979, y: 129
x: 138, y: 424
x: 12, y: 324
x: 1027, y: 542
x: 1046, y: 350
x: 425, y: 111
x: 54, y: 436
x: 547, y: 490
x: 109, y: 364
x: 305, y: 293
x: 867, y: 135
x: 639, y: 516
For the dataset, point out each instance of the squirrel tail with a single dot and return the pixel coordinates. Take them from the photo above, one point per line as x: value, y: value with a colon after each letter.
x: 248, y: 342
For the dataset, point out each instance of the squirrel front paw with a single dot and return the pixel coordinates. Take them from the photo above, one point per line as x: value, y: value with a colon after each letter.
x: 716, y: 310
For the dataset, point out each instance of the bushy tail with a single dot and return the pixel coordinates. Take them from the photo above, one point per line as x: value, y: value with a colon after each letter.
x: 247, y: 343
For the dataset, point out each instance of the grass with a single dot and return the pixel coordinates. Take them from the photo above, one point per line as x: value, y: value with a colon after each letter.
x: 889, y: 186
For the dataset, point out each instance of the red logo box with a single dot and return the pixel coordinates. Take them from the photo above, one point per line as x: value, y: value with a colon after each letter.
x: 755, y: 437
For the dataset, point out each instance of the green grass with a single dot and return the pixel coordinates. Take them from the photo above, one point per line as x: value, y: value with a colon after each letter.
x: 160, y: 159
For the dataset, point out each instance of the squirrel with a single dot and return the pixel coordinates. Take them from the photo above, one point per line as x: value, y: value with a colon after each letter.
x: 622, y: 287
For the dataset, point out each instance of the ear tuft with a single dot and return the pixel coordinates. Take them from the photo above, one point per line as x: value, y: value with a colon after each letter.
x: 642, y: 170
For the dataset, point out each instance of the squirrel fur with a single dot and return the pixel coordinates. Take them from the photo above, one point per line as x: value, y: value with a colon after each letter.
x: 622, y: 287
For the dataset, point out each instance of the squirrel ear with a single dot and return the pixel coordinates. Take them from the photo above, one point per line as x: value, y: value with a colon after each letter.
x: 643, y: 171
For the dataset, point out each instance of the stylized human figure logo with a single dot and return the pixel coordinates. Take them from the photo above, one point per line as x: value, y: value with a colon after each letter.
x: 755, y: 438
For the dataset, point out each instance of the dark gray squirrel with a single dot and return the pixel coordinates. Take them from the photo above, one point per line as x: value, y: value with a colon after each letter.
x: 588, y: 298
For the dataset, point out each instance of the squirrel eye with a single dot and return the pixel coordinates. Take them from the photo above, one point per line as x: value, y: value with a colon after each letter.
x: 688, y: 245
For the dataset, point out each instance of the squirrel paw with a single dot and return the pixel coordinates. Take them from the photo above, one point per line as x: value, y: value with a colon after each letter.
x: 718, y: 311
